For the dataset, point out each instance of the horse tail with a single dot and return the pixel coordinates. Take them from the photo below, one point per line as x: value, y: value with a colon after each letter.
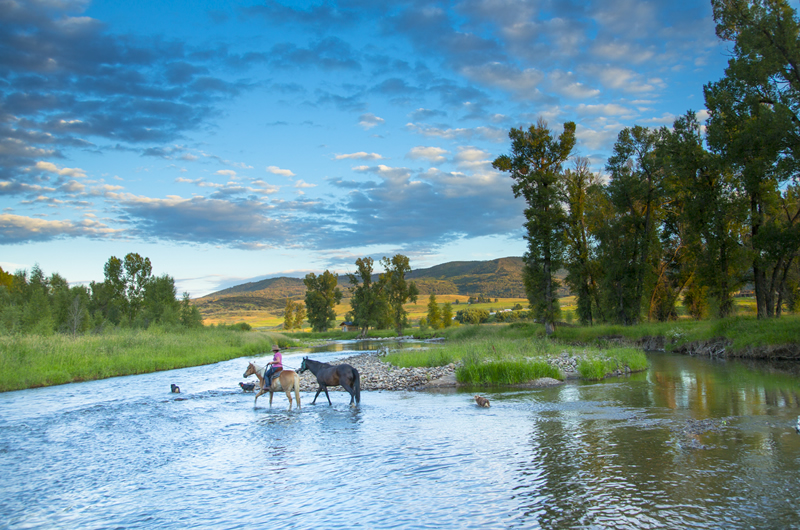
x: 297, y: 389
x: 357, y: 385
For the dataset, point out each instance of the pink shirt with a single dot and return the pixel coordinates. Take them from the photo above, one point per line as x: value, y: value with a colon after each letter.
x: 277, y: 360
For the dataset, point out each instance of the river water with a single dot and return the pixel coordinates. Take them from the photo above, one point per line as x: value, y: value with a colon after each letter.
x: 689, y: 443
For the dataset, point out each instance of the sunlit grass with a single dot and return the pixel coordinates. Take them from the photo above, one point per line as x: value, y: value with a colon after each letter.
x: 31, y: 360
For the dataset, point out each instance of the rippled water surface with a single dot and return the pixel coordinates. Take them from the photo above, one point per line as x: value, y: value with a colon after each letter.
x: 690, y: 443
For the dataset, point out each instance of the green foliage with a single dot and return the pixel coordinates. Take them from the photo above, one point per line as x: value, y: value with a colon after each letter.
x: 368, y: 299
x: 44, y: 305
x: 36, y: 360
x: 398, y: 290
x: 434, y: 318
x: 322, y: 295
x: 535, y: 164
x: 447, y: 315
x: 472, y: 316
x: 505, y: 372
x: 755, y: 127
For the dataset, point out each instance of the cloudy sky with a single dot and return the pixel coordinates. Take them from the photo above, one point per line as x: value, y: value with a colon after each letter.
x: 237, y: 140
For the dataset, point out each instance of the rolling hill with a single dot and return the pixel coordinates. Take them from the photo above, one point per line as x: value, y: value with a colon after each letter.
x: 498, y: 278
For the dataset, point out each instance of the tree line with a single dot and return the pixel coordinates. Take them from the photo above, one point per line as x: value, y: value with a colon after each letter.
x: 691, y: 213
x: 129, y: 296
x: 375, y: 303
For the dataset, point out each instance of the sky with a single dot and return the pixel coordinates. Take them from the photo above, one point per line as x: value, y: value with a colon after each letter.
x: 234, y: 141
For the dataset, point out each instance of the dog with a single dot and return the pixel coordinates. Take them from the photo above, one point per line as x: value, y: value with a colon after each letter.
x: 482, y: 401
x: 175, y: 388
x: 248, y: 387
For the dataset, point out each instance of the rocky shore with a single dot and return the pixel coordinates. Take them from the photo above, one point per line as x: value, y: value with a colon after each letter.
x: 377, y: 374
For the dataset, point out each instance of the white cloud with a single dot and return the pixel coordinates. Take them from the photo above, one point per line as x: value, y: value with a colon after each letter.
x: 361, y: 155
x: 226, y: 173
x: 303, y: 184
x: 369, y: 120
x: 63, y: 172
x: 275, y: 170
x: 434, y: 155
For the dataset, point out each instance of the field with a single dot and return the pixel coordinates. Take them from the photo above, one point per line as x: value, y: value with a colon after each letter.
x: 273, y: 319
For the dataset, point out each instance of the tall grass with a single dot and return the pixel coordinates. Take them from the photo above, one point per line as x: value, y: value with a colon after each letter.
x: 32, y: 360
x: 505, y: 372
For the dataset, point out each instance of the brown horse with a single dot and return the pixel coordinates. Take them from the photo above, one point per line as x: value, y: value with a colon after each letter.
x: 334, y: 375
x: 287, y: 380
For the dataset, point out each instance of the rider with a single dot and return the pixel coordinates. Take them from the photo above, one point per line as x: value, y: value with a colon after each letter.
x: 275, y: 365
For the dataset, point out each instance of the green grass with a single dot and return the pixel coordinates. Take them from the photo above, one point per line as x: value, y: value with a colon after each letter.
x: 496, y: 373
x: 510, y: 354
x: 28, y: 361
x: 743, y: 331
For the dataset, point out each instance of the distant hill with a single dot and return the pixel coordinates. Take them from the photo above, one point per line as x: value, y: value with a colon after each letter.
x: 498, y: 278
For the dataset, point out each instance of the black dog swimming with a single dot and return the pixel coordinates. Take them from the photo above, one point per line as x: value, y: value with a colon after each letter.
x: 248, y: 387
x: 175, y: 388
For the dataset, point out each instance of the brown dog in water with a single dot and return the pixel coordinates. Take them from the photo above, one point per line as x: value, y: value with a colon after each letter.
x: 482, y: 401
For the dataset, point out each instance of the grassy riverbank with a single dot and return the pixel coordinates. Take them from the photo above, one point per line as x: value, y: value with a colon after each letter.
x: 515, y: 354
x: 33, y: 360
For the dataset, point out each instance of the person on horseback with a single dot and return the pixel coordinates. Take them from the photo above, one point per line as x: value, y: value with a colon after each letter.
x: 275, y: 365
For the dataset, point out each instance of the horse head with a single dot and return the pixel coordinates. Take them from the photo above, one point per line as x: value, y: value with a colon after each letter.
x: 303, y: 366
x: 251, y: 369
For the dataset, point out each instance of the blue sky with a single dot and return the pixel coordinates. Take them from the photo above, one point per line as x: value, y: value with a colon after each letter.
x: 233, y: 141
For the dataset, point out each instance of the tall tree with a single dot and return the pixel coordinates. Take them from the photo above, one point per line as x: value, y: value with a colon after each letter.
x: 709, y: 211
x: 138, y: 271
x: 628, y: 238
x: 581, y: 264
x: 398, y: 290
x: 322, y: 295
x: 370, y: 307
x: 299, y: 315
x: 535, y: 164
x: 755, y: 125
x: 447, y: 315
x: 288, y: 315
x: 434, y: 313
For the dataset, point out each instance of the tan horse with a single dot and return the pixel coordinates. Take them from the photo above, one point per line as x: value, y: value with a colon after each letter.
x: 287, y: 380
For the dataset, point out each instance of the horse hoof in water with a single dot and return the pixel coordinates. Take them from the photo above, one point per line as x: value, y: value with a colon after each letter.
x: 175, y: 388
x: 482, y: 401
x: 248, y: 387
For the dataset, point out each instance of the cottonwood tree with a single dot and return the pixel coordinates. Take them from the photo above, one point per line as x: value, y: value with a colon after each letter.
x: 581, y: 264
x: 299, y: 315
x: 535, y: 163
x: 368, y: 298
x: 322, y: 295
x: 711, y: 214
x: 434, y: 314
x: 288, y: 315
x: 398, y: 290
x: 628, y: 232
x: 755, y: 126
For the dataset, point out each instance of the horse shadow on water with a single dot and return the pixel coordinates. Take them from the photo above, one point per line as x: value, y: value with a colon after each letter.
x: 334, y: 375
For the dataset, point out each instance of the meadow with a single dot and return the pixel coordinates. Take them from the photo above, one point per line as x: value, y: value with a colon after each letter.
x: 29, y: 361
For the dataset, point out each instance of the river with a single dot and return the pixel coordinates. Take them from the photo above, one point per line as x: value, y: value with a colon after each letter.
x: 689, y: 443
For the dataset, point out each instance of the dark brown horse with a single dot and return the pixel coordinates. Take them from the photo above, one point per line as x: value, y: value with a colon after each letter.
x: 334, y: 375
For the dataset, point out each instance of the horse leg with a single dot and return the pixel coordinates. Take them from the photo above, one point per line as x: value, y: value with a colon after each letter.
x: 316, y: 396
x: 261, y: 391
x: 296, y: 391
x: 289, y: 396
x: 327, y: 396
x: 270, y: 398
x: 349, y: 391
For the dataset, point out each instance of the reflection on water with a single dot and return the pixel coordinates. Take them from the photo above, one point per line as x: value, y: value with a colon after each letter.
x: 690, y: 443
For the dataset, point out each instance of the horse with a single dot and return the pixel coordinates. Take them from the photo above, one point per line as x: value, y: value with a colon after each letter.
x: 287, y: 380
x: 334, y: 375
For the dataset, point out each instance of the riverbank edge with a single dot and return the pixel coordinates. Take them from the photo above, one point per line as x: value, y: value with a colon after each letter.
x: 718, y: 347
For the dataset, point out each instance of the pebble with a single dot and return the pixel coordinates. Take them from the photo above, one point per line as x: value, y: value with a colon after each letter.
x: 376, y: 374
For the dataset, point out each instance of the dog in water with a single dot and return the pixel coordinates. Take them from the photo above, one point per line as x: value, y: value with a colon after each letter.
x: 175, y: 388
x: 248, y: 387
x: 482, y: 401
